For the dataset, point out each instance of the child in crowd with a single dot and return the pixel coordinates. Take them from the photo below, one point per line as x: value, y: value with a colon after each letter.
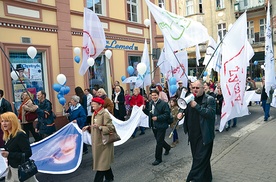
x: 127, y: 98
x: 174, y: 111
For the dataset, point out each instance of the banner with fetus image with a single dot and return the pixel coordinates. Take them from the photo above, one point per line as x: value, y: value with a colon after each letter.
x: 61, y: 152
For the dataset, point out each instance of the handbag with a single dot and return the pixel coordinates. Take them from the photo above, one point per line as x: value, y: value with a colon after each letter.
x: 30, y: 116
x: 26, y: 169
x: 111, y: 137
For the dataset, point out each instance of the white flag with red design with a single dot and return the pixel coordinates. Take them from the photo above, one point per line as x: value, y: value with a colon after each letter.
x: 94, y: 40
x: 236, y: 53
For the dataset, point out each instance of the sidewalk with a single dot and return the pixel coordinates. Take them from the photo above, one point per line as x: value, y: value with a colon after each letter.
x: 251, y: 158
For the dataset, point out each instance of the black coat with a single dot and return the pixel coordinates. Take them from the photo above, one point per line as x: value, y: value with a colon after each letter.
x: 45, y: 117
x: 5, y: 106
x: 121, y: 104
x: 16, y: 146
x: 162, y: 111
x: 206, y: 113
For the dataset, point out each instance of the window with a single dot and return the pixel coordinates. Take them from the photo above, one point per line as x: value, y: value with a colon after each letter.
x: 245, y: 3
x: 30, y: 72
x: 220, y: 4
x: 200, y: 6
x: 96, y: 6
x: 132, y: 10
x: 133, y: 61
x: 189, y: 7
x: 221, y: 30
x: 97, y: 74
x: 250, y: 31
x: 262, y: 27
x: 161, y: 3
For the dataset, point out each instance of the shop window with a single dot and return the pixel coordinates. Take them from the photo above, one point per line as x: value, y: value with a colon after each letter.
x: 30, y: 75
x: 133, y: 61
x: 97, y: 6
x: 132, y: 10
x: 97, y: 74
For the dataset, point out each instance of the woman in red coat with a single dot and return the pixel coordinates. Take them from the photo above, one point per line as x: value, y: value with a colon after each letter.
x: 137, y: 100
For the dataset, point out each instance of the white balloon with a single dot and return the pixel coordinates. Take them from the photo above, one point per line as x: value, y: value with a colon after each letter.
x: 141, y: 68
x: 32, y: 51
x: 77, y: 50
x: 147, y: 22
x: 204, y: 78
x: 61, y: 79
x: 90, y: 61
x: 262, y: 66
x: 108, y: 54
x: 14, y: 75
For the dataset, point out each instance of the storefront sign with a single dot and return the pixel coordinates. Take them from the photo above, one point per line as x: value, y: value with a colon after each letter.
x: 114, y: 45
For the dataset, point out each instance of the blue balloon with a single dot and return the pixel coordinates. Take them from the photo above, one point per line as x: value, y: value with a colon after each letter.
x: 130, y: 70
x: 62, y: 90
x: 172, y: 81
x: 66, y: 90
x: 77, y: 59
x: 255, y: 63
x: 60, y: 95
x: 62, y: 101
x: 57, y: 87
x: 123, y: 78
x: 205, y: 73
x: 173, y: 89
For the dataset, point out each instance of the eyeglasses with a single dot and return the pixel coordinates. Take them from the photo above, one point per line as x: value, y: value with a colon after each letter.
x: 196, y: 87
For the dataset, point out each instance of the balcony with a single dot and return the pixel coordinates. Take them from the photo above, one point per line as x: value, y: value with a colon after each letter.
x: 242, y: 5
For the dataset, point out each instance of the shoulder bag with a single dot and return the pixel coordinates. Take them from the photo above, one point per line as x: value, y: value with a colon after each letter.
x: 30, y: 116
x: 111, y: 137
x: 26, y: 169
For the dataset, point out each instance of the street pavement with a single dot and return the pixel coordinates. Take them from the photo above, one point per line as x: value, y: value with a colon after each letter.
x: 246, y: 153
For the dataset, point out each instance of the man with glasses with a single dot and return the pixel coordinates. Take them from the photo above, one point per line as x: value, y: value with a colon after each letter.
x: 199, y: 124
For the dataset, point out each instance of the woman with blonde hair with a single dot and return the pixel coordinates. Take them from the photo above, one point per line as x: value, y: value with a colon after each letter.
x: 108, y: 104
x: 28, y: 107
x: 16, y: 144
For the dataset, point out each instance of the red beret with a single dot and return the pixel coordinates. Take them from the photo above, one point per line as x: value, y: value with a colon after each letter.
x: 98, y: 100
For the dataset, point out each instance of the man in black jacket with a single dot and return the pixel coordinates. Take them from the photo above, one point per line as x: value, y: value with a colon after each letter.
x: 5, y: 106
x: 158, y: 119
x: 199, y: 124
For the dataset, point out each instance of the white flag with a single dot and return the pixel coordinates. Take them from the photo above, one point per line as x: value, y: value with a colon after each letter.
x: 144, y: 80
x: 179, y: 72
x: 269, y: 55
x: 93, y: 38
x: 198, y: 57
x: 180, y: 32
x: 236, y: 53
x: 213, y: 63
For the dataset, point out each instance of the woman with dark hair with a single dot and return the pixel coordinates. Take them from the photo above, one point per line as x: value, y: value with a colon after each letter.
x: 17, y: 145
x: 83, y: 98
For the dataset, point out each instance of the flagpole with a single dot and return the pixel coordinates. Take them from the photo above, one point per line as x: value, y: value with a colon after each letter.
x: 211, y: 57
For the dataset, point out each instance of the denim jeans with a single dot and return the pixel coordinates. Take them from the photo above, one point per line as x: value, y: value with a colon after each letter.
x: 266, y: 108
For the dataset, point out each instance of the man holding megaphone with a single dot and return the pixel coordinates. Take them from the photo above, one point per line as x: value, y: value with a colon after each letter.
x: 199, y: 110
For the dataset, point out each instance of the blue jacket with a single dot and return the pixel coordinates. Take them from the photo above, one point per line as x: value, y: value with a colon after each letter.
x: 77, y: 113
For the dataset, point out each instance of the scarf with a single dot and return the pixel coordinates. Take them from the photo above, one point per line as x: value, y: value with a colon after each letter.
x: 97, y: 111
x: 21, y: 108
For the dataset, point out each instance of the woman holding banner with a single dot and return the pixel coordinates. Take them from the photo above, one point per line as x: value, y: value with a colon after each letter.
x: 103, y: 155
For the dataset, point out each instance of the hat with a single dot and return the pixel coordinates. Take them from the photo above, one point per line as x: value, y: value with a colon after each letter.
x: 98, y: 100
x: 19, y: 67
x: 180, y: 81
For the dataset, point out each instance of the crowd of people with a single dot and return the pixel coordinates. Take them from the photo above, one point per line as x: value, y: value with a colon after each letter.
x: 87, y: 107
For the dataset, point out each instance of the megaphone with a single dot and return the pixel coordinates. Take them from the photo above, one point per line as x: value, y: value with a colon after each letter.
x: 182, y: 103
